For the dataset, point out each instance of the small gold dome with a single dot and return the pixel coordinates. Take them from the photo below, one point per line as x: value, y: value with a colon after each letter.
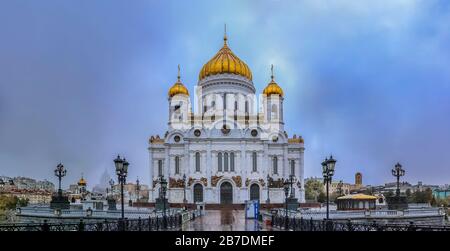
x: 225, y: 62
x: 82, y: 182
x: 273, y: 87
x: 178, y: 87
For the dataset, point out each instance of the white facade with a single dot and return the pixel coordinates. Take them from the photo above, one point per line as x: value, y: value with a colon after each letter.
x: 232, y: 137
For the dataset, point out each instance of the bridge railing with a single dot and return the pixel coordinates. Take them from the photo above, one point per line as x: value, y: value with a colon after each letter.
x: 301, y: 224
x: 108, y: 214
x: 170, y: 222
x: 316, y: 214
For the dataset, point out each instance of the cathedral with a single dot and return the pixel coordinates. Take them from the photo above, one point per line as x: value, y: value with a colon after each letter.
x: 229, y: 144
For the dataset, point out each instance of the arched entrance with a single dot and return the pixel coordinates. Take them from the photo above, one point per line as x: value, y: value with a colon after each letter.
x: 254, y: 192
x: 226, y: 193
x: 198, y: 193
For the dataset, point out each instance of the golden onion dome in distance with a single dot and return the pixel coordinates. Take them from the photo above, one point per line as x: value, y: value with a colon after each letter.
x: 82, y: 182
x: 178, y: 87
x: 273, y: 87
x: 225, y: 61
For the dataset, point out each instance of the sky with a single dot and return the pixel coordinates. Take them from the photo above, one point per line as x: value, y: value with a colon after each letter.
x: 367, y: 81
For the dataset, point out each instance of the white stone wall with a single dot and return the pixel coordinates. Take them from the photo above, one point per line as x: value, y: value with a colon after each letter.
x: 239, y: 141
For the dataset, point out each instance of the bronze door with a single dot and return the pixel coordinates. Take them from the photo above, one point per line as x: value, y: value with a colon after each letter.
x: 226, y: 193
x: 254, y: 192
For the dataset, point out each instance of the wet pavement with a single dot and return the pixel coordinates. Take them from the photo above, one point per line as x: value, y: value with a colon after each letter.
x: 225, y: 220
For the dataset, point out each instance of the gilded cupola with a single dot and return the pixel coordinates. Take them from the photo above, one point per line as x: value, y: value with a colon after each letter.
x: 225, y: 61
x: 273, y: 87
x: 178, y: 87
x: 82, y: 181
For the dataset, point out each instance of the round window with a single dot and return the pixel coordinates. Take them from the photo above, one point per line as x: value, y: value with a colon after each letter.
x: 254, y: 133
x: 177, y: 138
x: 197, y: 133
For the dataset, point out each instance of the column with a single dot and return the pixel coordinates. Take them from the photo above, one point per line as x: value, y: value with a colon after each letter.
x: 208, y: 163
x: 243, y: 165
x: 186, y: 160
x: 285, y: 162
x: 301, y: 171
x: 150, y: 151
x: 166, y: 164
x: 265, y: 168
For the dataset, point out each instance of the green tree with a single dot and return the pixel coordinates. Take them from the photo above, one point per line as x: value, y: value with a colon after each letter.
x: 322, y: 197
x: 8, y: 202
x: 408, y: 195
x: 388, y: 194
x: 312, y: 189
x: 422, y: 196
x: 369, y: 191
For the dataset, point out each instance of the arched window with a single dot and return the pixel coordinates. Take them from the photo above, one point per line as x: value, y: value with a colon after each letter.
x: 232, y: 162
x: 293, y: 167
x: 274, y: 111
x: 235, y: 105
x: 246, y: 107
x: 198, y: 193
x: 160, y: 168
x: 254, y: 161
x: 225, y: 162
x: 219, y: 162
x: 197, y: 162
x: 275, y: 165
x: 177, y: 165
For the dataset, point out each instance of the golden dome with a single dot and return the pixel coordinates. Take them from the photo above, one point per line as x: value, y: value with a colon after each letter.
x: 82, y: 182
x: 273, y: 88
x: 178, y: 87
x: 225, y: 62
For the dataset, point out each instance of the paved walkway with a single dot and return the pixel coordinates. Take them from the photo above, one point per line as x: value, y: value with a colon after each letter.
x: 225, y: 220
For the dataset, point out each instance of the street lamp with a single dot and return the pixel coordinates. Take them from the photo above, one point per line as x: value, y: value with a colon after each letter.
x: 163, y: 184
x: 328, y: 171
x: 138, y: 189
x: 184, y: 191
x: 121, y: 171
x: 286, y: 193
x: 60, y: 172
x: 269, y: 179
x: 291, y: 182
x: 398, y: 172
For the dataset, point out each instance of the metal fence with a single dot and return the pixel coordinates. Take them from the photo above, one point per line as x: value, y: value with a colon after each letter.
x: 172, y: 222
x: 320, y: 214
x: 43, y: 212
x: 300, y: 224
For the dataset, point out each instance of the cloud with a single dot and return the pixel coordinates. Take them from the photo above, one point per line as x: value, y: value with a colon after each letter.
x: 365, y: 80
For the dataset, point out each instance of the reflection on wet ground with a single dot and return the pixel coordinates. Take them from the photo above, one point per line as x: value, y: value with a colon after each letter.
x: 225, y: 220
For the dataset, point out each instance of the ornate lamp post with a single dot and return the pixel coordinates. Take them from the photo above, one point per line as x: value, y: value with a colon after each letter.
x: 121, y: 171
x: 269, y: 179
x: 328, y: 171
x: 184, y: 190
x: 286, y: 193
x: 291, y: 182
x: 398, y: 172
x: 60, y: 172
x: 138, y: 189
x: 163, y: 184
